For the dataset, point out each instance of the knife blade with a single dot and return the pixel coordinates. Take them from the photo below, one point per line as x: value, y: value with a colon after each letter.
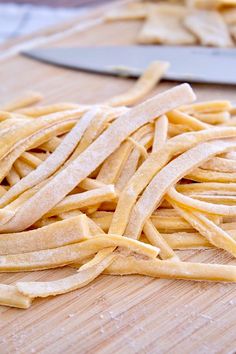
x: 191, y: 64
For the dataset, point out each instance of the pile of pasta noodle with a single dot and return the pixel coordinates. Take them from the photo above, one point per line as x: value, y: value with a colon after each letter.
x: 189, y: 22
x: 113, y: 189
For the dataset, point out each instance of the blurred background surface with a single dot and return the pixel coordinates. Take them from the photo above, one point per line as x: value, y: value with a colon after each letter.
x: 23, y: 17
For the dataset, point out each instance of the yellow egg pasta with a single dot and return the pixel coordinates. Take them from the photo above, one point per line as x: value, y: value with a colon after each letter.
x: 115, y: 190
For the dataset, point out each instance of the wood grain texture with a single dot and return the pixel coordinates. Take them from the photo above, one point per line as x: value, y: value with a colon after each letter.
x: 132, y: 314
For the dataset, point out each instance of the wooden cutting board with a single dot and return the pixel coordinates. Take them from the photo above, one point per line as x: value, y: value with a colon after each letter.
x: 132, y: 314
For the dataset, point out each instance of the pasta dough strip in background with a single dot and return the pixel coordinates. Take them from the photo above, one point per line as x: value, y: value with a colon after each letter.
x: 164, y: 25
x: 147, y: 81
x: 131, y: 11
x: 209, y: 28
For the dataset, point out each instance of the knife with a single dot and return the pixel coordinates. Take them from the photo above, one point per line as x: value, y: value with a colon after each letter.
x: 191, y: 64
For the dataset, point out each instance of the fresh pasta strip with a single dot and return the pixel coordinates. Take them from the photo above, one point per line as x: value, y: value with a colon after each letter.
x: 27, y: 99
x: 17, y: 136
x: 89, y: 183
x: 209, y: 27
x: 156, y: 239
x: 160, y: 133
x: 152, y: 165
x: 5, y: 115
x: 231, y: 155
x: 15, y: 204
x: 147, y: 81
x: 131, y: 165
x: 30, y: 159
x: 113, y: 165
x: 167, y: 177
x: 201, y: 175
x: 95, y: 154
x: 213, y: 233
x: 213, y: 118
x: 10, y: 296
x: 97, y: 125
x: 2, y: 190
x: 54, y: 161
x: 216, y: 199
x: 94, y: 229
x: 51, y: 145
x: 171, y: 269
x: 186, y: 240
x: 161, y: 223
x: 207, y: 107
x: 164, y: 24
x: 61, y: 286
x: 39, y: 111
x: 220, y: 164
x: 178, y: 117
x: 206, y: 207
x: 22, y: 168
x: 32, y: 142
x: 13, y: 177
x: 55, y: 235
x: 140, y: 147
x: 230, y: 123
x: 61, y: 256
x: 212, y: 188
x: 177, y: 129
x: 81, y: 200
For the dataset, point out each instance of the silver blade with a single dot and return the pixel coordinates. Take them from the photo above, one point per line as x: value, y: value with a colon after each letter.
x: 192, y: 64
